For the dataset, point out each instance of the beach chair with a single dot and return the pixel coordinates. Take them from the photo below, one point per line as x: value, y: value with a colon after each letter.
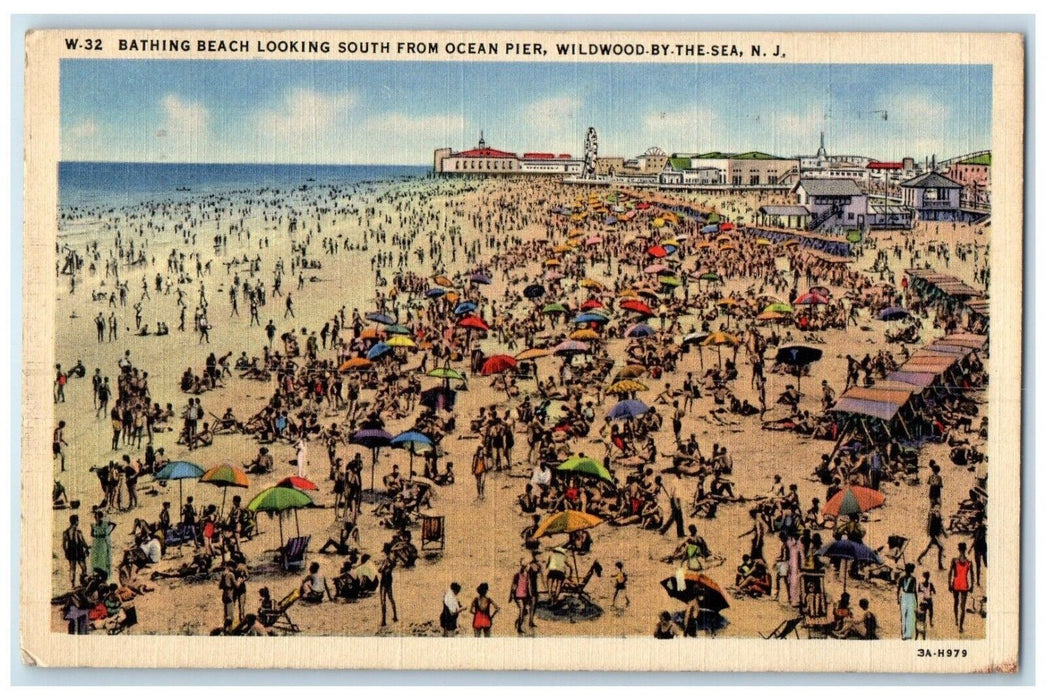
x: 129, y: 620
x: 433, y: 532
x: 785, y: 629
x: 574, y: 586
x: 292, y: 556
x: 279, y: 618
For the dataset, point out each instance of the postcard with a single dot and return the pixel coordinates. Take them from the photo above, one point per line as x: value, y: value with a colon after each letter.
x: 522, y: 350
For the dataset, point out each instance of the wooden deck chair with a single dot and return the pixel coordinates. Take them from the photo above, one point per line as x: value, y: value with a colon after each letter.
x: 433, y: 532
x: 129, y: 620
x: 279, y: 618
x: 292, y: 556
x: 785, y: 629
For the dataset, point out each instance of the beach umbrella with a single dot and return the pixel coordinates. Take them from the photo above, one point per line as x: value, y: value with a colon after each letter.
x: 381, y: 318
x: 179, y: 471
x: 630, y: 372
x: 355, y: 364
x: 378, y: 350
x: 636, y: 306
x: 709, y: 277
x: 703, y: 244
x: 825, y: 292
x: 593, y: 240
x: 224, y: 476
x: 444, y: 373
x: 656, y: 268
x: 297, y: 482
x: 590, y: 317
x: 584, y: 334
x: 589, y: 283
x: 779, y: 307
x: 771, y: 316
x: 798, y: 356
x: 639, y: 330
x: 726, y: 226
x: 554, y: 308
x: 627, y: 294
x: 533, y: 354
x: 480, y: 278
x: 463, y: 308
x: 439, y: 397
x: 626, y: 386
x: 562, y: 248
x: 711, y: 228
x: 670, y: 281
x: 452, y: 297
x: 552, y: 262
x: 278, y: 500
x: 586, y: 466
x: 853, y: 499
x: 811, y: 299
x: 719, y: 339
x: 571, y: 347
x: 692, y: 584
x: 893, y: 313
x: 566, y: 522
x: 473, y: 322
x: 414, y: 442
x: 762, y: 242
x: 435, y: 292
x: 400, y: 341
x: 442, y: 280
x: 496, y: 364
x: 371, y: 334
x: 534, y: 291
x: 657, y: 251
x: 591, y: 304
x: 398, y: 329
x: 694, y: 338
x: 848, y: 550
x: 728, y: 302
x: 628, y: 409
x: 375, y: 439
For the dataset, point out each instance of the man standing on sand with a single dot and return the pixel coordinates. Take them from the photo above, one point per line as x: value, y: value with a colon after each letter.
x: 290, y: 307
x: 75, y: 548
x: 99, y: 324
x: 270, y: 331
x: 58, y: 442
x: 385, y: 583
x: 302, y: 458
x: 113, y: 327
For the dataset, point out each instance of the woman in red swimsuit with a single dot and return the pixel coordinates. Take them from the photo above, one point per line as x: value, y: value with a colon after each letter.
x: 960, y: 583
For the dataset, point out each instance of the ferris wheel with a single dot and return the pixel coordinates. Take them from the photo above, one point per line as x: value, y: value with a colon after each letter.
x: 591, y: 151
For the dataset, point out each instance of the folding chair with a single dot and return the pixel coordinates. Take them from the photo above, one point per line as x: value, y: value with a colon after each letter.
x: 433, y: 532
x: 280, y: 618
x: 292, y: 557
x: 785, y: 629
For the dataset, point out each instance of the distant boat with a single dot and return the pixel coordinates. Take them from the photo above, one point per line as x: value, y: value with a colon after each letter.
x: 310, y: 179
x: 182, y: 189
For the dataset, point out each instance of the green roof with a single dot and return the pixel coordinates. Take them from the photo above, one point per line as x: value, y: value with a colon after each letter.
x: 680, y: 163
x: 748, y: 155
x: 983, y: 159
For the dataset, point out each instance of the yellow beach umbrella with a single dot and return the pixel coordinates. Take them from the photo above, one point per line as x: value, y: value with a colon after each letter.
x: 626, y: 386
x: 590, y: 283
x: 584, y: 334
x: 533, y: 354
x: 400, y: 341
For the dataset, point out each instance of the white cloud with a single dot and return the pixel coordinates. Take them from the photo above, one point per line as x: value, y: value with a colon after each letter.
x: 184, y: 130
x: 307, y: 126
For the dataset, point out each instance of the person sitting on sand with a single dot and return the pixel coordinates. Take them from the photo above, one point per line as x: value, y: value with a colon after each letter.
x: 348, y: 541
x: 262, y: 464
x: 314, y: 586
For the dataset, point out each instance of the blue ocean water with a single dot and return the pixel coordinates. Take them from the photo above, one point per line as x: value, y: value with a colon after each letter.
x: 85, y: 184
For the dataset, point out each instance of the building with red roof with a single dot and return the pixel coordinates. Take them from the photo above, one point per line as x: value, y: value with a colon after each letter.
x: 485, y: 161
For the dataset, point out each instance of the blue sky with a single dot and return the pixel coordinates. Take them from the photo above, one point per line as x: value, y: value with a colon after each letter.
x: 398, y: 112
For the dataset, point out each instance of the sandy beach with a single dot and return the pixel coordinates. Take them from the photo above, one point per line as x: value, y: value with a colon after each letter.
x: 507, y: 229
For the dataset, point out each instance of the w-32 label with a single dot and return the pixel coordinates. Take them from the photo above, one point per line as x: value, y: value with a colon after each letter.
x: 926, y: 653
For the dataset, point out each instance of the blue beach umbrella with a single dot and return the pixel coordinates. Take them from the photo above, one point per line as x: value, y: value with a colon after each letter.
x: 414, y: 442
x: 465, y: 307
x: 378, y: 350
x: 640, y: 330
x: 179, y: 471
x: 380, y: 318
x: 590, y: 317
x: 435, y: 292
x: 628, y: 409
